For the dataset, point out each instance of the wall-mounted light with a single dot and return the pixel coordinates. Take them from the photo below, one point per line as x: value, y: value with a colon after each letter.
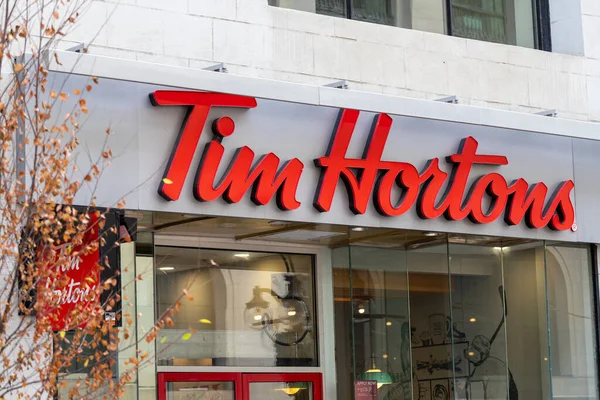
x: 358, y: 229
x: 242, y: 255
x: 472, y: 319
x: 166, y: 268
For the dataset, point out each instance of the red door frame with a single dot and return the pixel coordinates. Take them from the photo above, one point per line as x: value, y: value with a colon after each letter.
x: 241, y: 381
x: 165, y: 377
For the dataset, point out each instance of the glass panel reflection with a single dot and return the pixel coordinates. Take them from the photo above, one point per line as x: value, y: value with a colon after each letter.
x: 281, y: 391
x: 248, y: 308
x: 526, y: 321
x: 200, y: 391
x: 430, y: 322
x: 479, y: 322
x: 500, y: 21
x: 465, y: 318
x: 571, y: 322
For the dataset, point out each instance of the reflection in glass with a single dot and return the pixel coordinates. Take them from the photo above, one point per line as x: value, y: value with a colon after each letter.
x: 200, y: 390
x: 248, y: 308
x: 479, y: 313
x: 527, y: 321
x: 500, y: 21
x: 571, y: 322
x: 425, y: 15
x: 374, y: 344
x: 281, y: 391
x: 489, y: 319
x: 430, y: 322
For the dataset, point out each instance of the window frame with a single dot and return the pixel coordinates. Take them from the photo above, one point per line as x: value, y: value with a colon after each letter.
x: 541, y: 23
x: 541, y: 20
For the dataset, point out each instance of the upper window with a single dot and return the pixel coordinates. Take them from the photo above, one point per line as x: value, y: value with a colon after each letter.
x: 512, y: 22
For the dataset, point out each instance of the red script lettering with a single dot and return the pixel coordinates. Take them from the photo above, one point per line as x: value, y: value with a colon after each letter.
x: 431, y: 191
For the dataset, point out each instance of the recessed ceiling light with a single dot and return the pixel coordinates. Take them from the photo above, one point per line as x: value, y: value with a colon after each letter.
x: 430, y: 234
x: 242, y: 255
x: 166, y: 268
x: 359, y: 229
x: 278, y: 223
x: 302, y: 234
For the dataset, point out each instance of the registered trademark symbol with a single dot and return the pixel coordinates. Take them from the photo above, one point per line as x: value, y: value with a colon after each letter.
x: 574, y: 227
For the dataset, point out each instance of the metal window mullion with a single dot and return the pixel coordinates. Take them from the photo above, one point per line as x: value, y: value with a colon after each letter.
x: 596, y: 309
x: 449, y: 17
x: 542, y: 24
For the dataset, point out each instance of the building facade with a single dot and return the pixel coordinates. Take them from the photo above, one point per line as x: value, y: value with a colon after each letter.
x: 394, y: 200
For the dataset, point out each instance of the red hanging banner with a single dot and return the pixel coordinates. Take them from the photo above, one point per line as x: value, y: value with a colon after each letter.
x: 71, y: 283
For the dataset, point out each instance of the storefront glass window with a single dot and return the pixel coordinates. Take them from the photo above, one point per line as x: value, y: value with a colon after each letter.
x: 527, y: 319
x: 571, y: 322
x: 248, y: 308
x: 465, y: 318
x: 478, y: 326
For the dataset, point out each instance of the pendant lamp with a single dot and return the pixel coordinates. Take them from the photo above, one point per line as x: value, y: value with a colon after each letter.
x: 291, y: 388
x: 375, y: 374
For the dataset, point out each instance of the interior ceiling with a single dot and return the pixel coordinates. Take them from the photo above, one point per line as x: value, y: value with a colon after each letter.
x: 302, y: 233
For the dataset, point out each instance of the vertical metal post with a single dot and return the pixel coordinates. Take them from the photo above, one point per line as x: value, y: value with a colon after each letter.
x: 596, y: 308
x: 448, y: 4
x: 542, y: 25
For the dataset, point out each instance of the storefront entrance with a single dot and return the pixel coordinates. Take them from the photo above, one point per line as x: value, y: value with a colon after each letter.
x: 237, y: 386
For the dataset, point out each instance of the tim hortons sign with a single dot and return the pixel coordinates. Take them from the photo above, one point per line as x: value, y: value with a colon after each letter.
x: 73, y: 284
x: 428, y: 189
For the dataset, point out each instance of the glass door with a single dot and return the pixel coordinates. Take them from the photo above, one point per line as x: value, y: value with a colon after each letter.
x: 236, y: 386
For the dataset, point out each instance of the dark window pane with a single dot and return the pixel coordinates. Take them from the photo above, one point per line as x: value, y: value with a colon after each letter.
x: 377, y: 11
x: 336, y: 8
x: 499, y: 21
